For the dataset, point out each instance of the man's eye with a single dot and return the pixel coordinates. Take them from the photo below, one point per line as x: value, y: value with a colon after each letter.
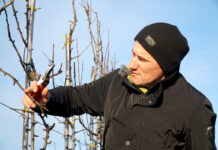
x: 142, y: 59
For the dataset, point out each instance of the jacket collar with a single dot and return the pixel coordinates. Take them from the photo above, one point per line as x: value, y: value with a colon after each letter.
x: 152, y: 97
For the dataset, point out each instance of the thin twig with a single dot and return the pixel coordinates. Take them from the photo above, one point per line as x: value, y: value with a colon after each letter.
x: 25, y: 110
x: 107, y: 56
x: 78, y: 64
x: 73, y: 24
x: 52, y: 62
x: 41, y: 106
x: 59, y: 72
x: 13, y: 42
x: 84, y: 126
x: 6, y: 5
x: 27, y: 20
x: 47, y: 130
x: 78, y: 55
x: 70, y: 123
x: 13, y: 78
x: 36, y: 122
x: 32, y: 131
x: 18, y: 25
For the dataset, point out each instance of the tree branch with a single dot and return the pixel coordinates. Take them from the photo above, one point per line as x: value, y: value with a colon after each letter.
x: 39, y: 105
x: 13, y: 42
x: 59, y: 72
x: 6, y: 5
x: 18, y: 25
x: 78, y: 55
x: 47, y: 130
x: 84, y: 126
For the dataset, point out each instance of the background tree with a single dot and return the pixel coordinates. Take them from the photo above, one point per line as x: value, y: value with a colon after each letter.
x: 93, y: 125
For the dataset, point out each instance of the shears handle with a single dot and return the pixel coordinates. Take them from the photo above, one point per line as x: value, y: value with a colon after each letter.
x: 38, y: 95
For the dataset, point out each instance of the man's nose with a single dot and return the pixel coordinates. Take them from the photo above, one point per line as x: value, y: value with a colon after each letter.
x: 133, y: 63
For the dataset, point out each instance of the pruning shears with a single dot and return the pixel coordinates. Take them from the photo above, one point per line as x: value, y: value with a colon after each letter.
x: 42, y: 83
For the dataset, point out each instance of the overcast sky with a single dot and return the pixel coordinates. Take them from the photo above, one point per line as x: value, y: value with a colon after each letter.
x: 196, y: 19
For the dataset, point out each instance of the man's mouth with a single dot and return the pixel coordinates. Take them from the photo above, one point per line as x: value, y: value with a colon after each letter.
x: 134, y: 73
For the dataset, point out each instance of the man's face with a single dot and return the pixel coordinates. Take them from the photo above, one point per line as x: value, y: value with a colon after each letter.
x: 145, y: 71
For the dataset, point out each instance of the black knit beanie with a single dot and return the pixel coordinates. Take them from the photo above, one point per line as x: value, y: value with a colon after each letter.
x: 165, y: 43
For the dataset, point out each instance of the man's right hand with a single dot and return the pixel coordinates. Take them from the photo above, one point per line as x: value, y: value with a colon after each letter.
x: 45, y: 95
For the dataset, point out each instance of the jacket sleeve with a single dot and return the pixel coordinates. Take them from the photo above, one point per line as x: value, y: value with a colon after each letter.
x: 88, y: 98
x: 202, y: 129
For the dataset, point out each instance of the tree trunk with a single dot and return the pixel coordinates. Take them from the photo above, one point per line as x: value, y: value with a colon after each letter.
x: 30, y: 24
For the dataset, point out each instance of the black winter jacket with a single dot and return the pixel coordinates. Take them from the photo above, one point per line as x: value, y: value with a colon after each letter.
x: 171, y: 116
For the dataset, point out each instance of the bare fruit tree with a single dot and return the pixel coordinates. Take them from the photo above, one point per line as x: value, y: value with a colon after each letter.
x: 90, y: 127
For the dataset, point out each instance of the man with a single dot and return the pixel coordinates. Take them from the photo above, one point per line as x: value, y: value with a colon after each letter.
x: 150, y: 105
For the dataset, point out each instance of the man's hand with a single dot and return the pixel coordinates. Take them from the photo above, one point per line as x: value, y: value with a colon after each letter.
x: 45, y: 95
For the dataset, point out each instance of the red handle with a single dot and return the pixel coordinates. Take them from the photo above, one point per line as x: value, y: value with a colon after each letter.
x: 38, y: 95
